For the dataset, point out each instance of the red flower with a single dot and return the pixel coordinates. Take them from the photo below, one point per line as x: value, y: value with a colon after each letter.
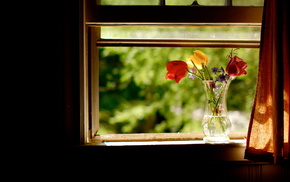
x: 236, y: 67
x: 176, y: 70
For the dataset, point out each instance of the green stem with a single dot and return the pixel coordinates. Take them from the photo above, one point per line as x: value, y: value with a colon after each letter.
x: 208, y: 73
x: 214, y: 103
x: 201, y: 76
x: 218, y: 100
x: 194, y: 74
x: 203, y: 71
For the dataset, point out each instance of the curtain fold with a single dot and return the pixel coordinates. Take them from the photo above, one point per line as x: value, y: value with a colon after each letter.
x: 268, y: 133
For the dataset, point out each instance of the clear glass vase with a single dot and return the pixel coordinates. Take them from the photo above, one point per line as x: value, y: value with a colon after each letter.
x: 216, y: 123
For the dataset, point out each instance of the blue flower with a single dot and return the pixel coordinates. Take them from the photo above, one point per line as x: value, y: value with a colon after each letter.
x: 222, y: 70
x: 223, y: 78
x: 214, y: 70
x: 192, y: 76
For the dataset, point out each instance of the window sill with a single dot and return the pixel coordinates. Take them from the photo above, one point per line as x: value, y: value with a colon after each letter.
x: 147, y: 152
x: 160, y: 145
x: 149, y: 137
x: 238, y: 142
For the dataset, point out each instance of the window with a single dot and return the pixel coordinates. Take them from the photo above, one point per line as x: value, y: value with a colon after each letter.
x: 113, y: 30
x: 135, y: 97
x: 185, y: 2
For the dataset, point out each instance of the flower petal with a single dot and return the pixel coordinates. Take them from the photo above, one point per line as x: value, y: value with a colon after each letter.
x: 236, y: 66
x: 176, y: 70
x: 198, y: 58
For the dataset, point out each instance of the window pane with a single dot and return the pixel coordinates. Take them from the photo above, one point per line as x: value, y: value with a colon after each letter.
x: 135, y: 97
x: 248, y: 2
x: 200, y: 2
x: 217, y: 2
x: 129, y: 2
x: 184, y: 33
x: 185, y: 2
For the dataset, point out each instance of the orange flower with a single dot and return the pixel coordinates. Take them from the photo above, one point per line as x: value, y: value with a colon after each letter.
x: 198, y: 58
x: 176, y: 70
x: 236, y: 67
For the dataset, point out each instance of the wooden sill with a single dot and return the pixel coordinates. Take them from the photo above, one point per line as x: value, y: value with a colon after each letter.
x: 158, y: 146
x: 158, y: 137
x: 184, y: 146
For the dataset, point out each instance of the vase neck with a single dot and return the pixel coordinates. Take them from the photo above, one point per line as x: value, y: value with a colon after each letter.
x: 216, y: 97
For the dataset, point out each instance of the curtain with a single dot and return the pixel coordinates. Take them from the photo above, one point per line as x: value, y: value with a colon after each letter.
x: 268, y: 132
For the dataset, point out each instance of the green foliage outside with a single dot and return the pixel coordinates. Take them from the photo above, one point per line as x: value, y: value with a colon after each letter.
x: 135, y: 97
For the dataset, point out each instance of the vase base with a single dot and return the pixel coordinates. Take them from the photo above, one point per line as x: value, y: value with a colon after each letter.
x: 216, y: 139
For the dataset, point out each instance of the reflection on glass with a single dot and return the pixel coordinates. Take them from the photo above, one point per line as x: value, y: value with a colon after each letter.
x: 184, y: 33
x: 135, y: 97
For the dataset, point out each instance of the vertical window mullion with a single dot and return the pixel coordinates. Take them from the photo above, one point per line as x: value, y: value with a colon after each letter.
x: 94, y: 34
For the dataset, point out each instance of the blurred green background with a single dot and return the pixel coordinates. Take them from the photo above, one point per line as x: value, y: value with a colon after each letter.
x: 135, y: 97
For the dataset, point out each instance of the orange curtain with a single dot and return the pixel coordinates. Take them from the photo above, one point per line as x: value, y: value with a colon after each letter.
x: 268, y: 133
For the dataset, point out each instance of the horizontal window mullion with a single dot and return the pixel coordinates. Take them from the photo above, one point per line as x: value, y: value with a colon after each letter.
x: 169, y: 24
x: 186, y: 14
x: 176, y: 43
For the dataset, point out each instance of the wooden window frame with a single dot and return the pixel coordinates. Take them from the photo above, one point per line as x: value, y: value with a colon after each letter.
x: 94, y: 16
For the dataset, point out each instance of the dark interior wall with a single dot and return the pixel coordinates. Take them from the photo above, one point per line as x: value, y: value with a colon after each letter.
x: 163, y: 163
x: 70, y: 32
x: 48, y: 81
x: 181, y: 163
x: 45, y: 62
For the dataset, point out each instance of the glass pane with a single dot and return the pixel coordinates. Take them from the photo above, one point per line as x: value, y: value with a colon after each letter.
x: 199, y: 2
x: 185, y: 2
x: 216, y: 2
x: 183, y: 33
x: 248, y: 2
x: 129, y: 2
x: 135, y: 97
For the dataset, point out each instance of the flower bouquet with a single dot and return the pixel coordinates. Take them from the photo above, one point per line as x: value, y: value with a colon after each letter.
x: 216, y: 123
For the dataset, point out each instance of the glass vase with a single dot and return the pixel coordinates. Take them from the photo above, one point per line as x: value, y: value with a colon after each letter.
x: 216, y: 123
